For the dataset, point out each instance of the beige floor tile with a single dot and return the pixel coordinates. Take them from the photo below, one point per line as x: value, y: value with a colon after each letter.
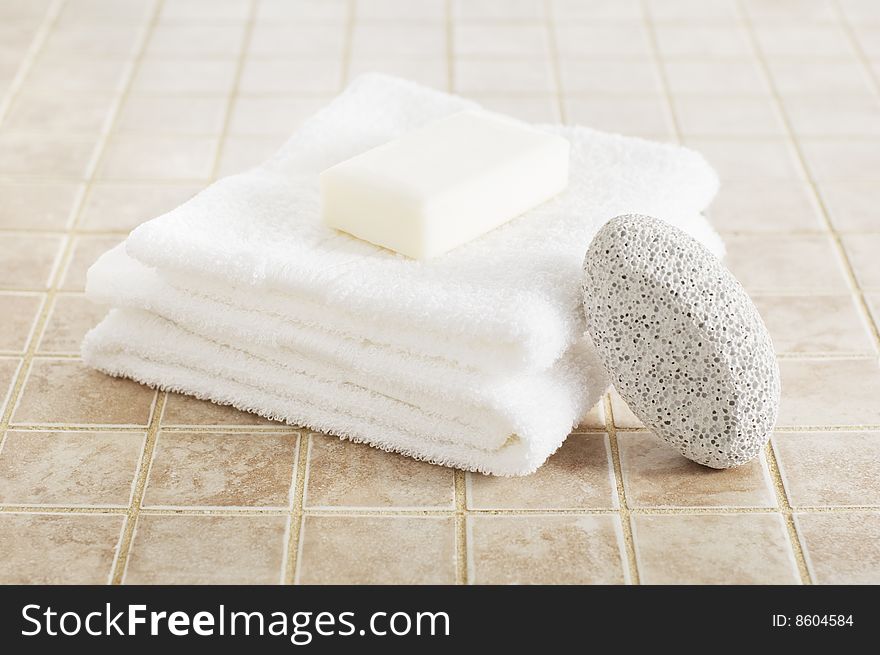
x: 184, y: 76
x: 785, y: 263
x: 181, y: 40
x: 749, y: 159
x: 28, y: 260
x: 45, y: 110
x: 297, y: 40
x: 272, y: 116
x: 199, y: 469
x: 583, y: 39
x: 207, y: 550
x: 873, y: 301
x: 713, y: 549
x: 646, y: 116
x: 142, y: 157
x: 706, y: 115
x: 63, y: 73
x: 862, y: 251
x: 291, y: 76
x: 526, y: 76
x: 594, y: 421
x: 172, y: 115
x: 793, y: 75
x: 595, y: 10
x: 401, y: 10
x: 815, y: 324
x: 578, y: 476
x: 240, y: 153
x: 622, y: 414
x: 196, y: 11
x: 829, y: 468
x: 66, y: 392
x: 765, y: 206
x: 8, y: 370
x: 183, y: 410
x: 842, y: 159
x: 866, y: 11
x: 377, y: 550
x: 829, y: 392
x: 604, y: 77
x: 835, y: 114
x: 803, y: 40
x: 545, y: 549
x: 19, y: 316
x: 704, y: 40
x: 71, y: 316
x: 399, y: 39
x: 345, y: 474
x: 97, y: 40
x: 58, y: 548
x: 841, y: 548
x: 533, y: 109
x: 34, y: 206
x: 30, y: 11
x: 69, y: 468
x: 852, y: 204
x: 45, y: 155
x: 104, y: 11
x: 86, y: 250
x: 692, y: 11
x: 868, y: 37
x: 273, y: 11
x: 656, y: 475
x: 490, y: 10
x: 494, y: 40
x: 431, y: 71
x: 122, y: 207
x: 781, y: 11
x: 715, y: 76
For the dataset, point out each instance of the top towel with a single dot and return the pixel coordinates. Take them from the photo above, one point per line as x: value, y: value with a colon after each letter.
x: 507, y: 300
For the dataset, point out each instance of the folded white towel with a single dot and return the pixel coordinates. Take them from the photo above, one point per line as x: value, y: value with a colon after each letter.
x: 521, y: 424
x: 473, y: 359
x: 505, y: 301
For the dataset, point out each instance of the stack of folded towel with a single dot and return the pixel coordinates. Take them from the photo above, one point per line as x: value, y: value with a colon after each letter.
x: 475, y: 359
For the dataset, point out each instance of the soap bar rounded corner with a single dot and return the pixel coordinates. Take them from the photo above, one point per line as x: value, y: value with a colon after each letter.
x: 681, y: 340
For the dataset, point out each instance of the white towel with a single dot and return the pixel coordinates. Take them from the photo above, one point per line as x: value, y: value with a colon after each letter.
x: 523, y: 422
x: 505, y: 301
x: 473, y: 359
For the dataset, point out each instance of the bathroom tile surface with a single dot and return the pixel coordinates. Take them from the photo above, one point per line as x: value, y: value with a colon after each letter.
x: 114, y: 112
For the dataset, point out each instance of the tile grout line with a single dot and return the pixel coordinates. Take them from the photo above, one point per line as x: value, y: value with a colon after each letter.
x: 36, y: 45
x: 450, y: 47
x: 347, y: 40
x: 623, y: 507
x: 650, y: 31
x: 197, y: 510
x: 850, y: 32
x: 461, y: 514
x: 123, y: 550
x: 553, y: 46
x: 787, y: 514
x: 296, y: 514
x: 248, y: 28
x: 793, y: 138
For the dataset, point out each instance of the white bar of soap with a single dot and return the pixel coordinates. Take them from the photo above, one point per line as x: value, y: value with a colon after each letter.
x: 444, y: 184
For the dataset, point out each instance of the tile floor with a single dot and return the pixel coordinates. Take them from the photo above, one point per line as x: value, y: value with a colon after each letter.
x: 112, y: 111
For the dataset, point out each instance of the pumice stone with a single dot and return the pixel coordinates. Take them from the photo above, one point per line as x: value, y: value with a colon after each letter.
x: 681, y: 340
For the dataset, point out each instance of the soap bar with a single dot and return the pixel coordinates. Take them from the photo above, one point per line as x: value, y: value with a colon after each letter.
x: 444, y: 184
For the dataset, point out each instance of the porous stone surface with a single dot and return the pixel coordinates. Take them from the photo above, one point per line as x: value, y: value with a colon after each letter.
x: 681, y: 340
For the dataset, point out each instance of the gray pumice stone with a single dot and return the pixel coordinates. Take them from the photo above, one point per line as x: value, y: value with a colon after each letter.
x: 681, y: 340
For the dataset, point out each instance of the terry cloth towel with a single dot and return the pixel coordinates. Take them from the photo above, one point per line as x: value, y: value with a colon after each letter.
x: 474, y: 359
x: 503, y: 301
